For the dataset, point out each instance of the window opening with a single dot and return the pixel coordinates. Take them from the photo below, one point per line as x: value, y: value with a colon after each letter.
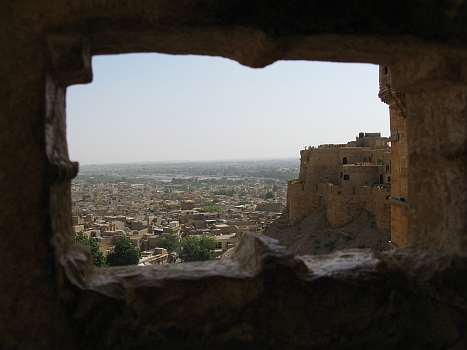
x: 143, y: 174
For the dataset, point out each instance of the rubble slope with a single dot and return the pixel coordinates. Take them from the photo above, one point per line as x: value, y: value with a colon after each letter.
x: 314, y: 235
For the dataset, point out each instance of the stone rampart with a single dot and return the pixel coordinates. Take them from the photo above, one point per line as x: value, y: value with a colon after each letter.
x: 343, y: 203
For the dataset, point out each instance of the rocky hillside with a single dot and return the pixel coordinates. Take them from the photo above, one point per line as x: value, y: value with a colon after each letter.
x: 314, y: 235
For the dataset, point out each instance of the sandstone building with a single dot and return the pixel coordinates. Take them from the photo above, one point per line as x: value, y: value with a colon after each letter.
x: 346, y: 179
x: 52, y: 297
x: 399, y: 158
x: 364, y: 162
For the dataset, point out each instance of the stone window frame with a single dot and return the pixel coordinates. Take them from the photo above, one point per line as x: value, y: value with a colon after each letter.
x: 130, y: 295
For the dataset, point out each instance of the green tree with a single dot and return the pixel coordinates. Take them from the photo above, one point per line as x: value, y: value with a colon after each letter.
x: 275, y: 187
x: 229, y: 193
x: 81, y: 238
x: 269, y: 195
x: 198, y: 248
x: 380, y: 160
x: 124, y: 253
x: 210, y: 209
x: 169, y: 242
x: 97, y: 256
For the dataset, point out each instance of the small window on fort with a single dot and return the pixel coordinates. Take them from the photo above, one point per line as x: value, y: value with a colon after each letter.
x: 344, y: 161
x: 182, y: 151
x: 386, y: 70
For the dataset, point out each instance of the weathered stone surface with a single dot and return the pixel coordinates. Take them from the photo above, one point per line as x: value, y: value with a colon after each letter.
x: 264, y: 297
x: 52, y: 297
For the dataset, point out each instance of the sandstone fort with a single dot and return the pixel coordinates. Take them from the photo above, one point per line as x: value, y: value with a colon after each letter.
x: 364, y: 174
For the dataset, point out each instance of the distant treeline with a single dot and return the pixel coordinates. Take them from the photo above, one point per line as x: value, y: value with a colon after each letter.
x: 220, y: 173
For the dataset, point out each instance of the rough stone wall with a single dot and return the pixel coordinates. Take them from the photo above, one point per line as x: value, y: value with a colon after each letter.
x: 301, y: 201
x: 321, y: 166
x: 343, y: 203
x: 361, y: 175
x: 399, y: 223
x: 353, y: 154
x: 325, y: 165
x: 399, y: 180
x: 342, y: 209
x: 399, y: 158
x: 53, y: 298
x: 375, y: 154
x: 382, y: 210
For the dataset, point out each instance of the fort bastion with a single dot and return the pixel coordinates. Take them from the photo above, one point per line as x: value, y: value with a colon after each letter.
x: 346, y: 179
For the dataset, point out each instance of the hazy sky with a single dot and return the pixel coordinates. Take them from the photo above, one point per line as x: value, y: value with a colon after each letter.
x: 154, y: 107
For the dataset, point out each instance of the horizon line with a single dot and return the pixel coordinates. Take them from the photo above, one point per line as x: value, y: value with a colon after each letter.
x: 194, y: 161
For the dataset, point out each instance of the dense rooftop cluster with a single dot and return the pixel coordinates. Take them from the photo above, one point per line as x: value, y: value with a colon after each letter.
x: 147, y: 207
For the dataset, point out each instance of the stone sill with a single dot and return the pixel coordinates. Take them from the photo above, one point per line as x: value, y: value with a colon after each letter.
x: 262, y: 276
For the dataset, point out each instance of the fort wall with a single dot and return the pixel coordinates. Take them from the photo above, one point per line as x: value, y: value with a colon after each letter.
x: 352, y: 155
x: 343, y: 203
x: 357, y: 175
x: 399, y: 158
x: 346, y: 180
x: 399, y: 223
x: 319, y: 165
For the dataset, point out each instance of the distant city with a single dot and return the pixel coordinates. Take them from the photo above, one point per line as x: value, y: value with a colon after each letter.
x: 146, y: 202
